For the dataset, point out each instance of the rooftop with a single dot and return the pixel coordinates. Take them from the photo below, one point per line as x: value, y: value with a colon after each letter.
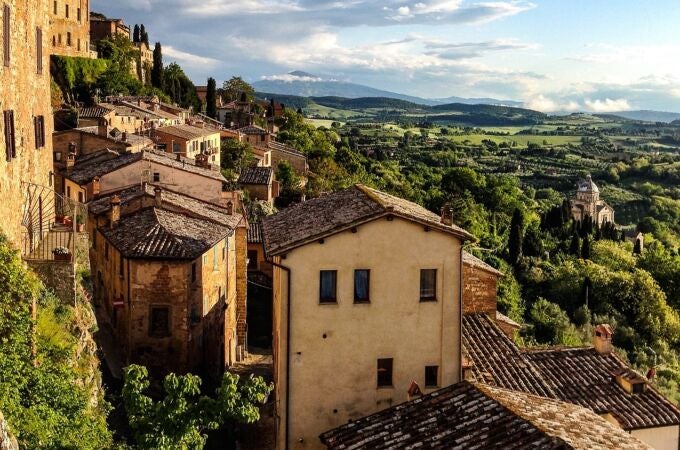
x: 588, y: 185
x: 471, y: 260
x: 255, y: 233
x: 283, y: 148
x: 186, y: 131
x: 576, y: 375
x: 469, y: 415
x: 155, y: 233
x: 341, y: 210
x: 93, y: 112
x: 253, y: 130
x: 256, y: 175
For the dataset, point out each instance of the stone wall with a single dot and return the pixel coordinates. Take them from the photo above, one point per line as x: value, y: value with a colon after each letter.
x: 59, y: 276
x: 7, y: 441
x: 241, y: 285
x: 77, y: 24
x: 25, y: 90
x: 479, y: 291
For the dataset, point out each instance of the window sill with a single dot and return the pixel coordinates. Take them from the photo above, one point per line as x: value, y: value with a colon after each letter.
x: 362, y: 302
x: 328, y: 303
x: 385, y: 387
x: 428, y: 300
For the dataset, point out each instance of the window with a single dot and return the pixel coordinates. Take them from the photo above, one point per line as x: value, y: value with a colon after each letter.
x: 252, y: 259
x: 56, y: 9
x: 59, y: 40
x: 78, y: 44
x: 106, y: 251
x: 156, y: 176
x: 67, y: 11
x: 5, y: 35
x: 57, y: 156
x: 431, y: 376
x: 121, y: 266
x: 39, y: 50
x: 215, y: 258
x: 81, y: 198
x: 68, y: 38
x: 78, y: 14
x: 361, y: 285
x: 328, y: 285
x: 428, y: 285
x: 159, y: 324
x: 262, y: 137
x: 193, y: 272
x: 175, y: 147
x: 10, y: 137
x: 68, y: 191
x: 385, y: 372
x: 39, y: 130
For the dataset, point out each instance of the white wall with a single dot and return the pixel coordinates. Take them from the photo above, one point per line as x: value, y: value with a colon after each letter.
x: 661, y: 438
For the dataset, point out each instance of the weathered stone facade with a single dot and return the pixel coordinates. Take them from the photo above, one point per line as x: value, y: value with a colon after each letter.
x: 25, y: 96
x: 7, y: 441
x: 70, y: 28
x: 479, y: 290
x: 241, y: 286
x: 59, y: 276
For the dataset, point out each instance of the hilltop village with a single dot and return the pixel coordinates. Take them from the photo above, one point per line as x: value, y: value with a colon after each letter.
x: 369, y: 318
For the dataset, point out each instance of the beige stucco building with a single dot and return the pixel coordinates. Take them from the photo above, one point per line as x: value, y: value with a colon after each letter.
x: 190, y: 142
x: 359, y: 315
x: 26, y: 122
x: 588, y: 204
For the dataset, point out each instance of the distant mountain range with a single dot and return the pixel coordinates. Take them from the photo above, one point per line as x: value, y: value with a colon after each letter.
x: 305, y: 84
x: 648, y: 116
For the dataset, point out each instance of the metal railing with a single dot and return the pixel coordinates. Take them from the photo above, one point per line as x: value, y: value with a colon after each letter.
x: 52, y: 245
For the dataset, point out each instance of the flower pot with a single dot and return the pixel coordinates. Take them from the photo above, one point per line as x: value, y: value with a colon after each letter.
x: 80, y: 227
x: 59, y: 257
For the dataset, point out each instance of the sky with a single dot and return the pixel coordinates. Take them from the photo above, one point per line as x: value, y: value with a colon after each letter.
x: 554, y: 55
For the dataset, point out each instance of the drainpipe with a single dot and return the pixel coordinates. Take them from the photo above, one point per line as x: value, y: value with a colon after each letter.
x: 460, y: 314
x: 288, y: 272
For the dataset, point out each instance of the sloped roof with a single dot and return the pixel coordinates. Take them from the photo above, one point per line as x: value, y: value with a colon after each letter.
x: 338, y: 211
x: 93, y: 112
x: 186, y: 131
x: 256, y: 175
x: 253, y: 130
x: 584, y: 377
x: 255, y: 233
x: 468, y: 415
x: 575, y: 375
x: 588, y: 185
x: 471, y: 260
x: 154, y: 233
x: 497, y: 360
x: 283, y: 148
x: 171, y: 200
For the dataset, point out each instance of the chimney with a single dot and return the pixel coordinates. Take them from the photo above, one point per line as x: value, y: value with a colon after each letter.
x: 70, y: 161
x: 124, y: 136
x: 602, y: 340
x: 447, y: 214
x: 103, y: 128
x: 114, y: 213
x: 158, y: 196
x: 230, y: 208
x: 73, y: 148
x: 96, y: 187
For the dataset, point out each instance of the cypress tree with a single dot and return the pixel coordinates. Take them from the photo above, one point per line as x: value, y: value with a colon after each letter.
x: 135, y: 34
x: 575, y: 246
x: 585, y: 248
x: 516, y: 237
x: 566, y: 210
x: 211, y: 99
x: 637, y: 249
x: 157, y: 69
x: 143, y: 35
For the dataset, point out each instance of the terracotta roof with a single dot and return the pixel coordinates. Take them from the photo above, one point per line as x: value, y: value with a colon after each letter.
x: 124, y: 109
x: 255, y: 233
x: 85, y: 171
x: 467, y: 415
x: 471, y: 260
x: 161, y: 234
x: 186, y: 131
x: 338, y: 211
x: 171, y: 200
x: 497, y: 360
x: 253, y: 130
x: 131, y: 138
x: 93, y: 112
x: 283, y: 148
x: 256, y: 175
x: 505, y: 319
x: 575, y: 375
x: 584, y: 377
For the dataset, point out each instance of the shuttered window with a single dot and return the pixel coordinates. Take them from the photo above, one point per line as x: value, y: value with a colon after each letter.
x: 10, y: 140
x: 39, y: 128
x: 5, y: 34
x: 39, y: 50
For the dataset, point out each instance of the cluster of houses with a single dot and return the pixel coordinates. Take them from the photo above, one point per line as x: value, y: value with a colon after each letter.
x: 383, y: 326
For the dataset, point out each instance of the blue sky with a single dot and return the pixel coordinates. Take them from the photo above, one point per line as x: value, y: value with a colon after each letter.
x: 555, y: 55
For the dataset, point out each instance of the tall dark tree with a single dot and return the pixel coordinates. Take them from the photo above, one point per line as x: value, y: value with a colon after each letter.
x: 143, y: 35
x: 157, y: 69
x: 566, y: 211
x: 585, y: 247
x: 637, y: 249
x: 211, y: 99
x: 135, y: 34
x: 516, y: 236
x: 575, y: 246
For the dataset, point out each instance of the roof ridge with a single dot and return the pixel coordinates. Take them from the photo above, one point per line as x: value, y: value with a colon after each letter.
x: 370, y: 194
x: 172, y: 235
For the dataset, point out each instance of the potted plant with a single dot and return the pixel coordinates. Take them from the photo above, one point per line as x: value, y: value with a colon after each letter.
x: 61, y: 254
x: 80, y: 222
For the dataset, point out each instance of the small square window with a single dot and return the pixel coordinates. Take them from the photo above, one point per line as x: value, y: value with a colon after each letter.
x: 361, y: 285
x: 156, y: 177
x: 428, y: 285
x: 252, y: 259
x: 159, y: 323
x: 57, y: 156
x: 385, y: 372
x: 328, y: 286
x: 431, y: 376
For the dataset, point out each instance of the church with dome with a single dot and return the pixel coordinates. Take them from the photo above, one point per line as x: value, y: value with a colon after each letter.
x: 588, y: 203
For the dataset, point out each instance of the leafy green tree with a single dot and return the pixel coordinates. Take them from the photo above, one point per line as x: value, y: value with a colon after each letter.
x: 457, y: 180
x: 533, y: 242
x: 211, y: 99
x: 180, y: 88
x: 235, y: 87
x: 157, y: 69
x: 235, y: 155
x: 552, y: 325
x: 516, y: 237
x: 119, y: 50
x: 180, y: 419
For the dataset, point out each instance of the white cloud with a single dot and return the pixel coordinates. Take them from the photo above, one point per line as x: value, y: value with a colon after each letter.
x: 290, y: 78
x: 179, y: 55
x: 607, y: 105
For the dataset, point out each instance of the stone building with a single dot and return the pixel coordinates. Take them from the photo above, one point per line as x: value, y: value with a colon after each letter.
x: 70, y: 28
x: 367, y: 299
x: 588, y: 204
x: 26, y: 122
x: 190, y: 142
x: 259, y: 183
x: 144, y: 61
x: 164, y: 271
x: 101, y: 27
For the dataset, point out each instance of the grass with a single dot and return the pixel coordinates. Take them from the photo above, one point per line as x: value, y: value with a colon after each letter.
x: 522, y: 140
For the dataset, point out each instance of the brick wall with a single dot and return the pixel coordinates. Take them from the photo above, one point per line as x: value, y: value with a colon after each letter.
x: 27, y: 93
x: 241, y: 284
x: 479, y: 291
